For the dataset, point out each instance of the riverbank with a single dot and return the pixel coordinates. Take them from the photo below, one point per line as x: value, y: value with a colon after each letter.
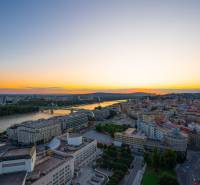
x: 7, y: 121
x: 6, y: 110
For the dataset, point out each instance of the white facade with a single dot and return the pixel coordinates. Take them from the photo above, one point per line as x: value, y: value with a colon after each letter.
x: 10, y: 164
x: 151, y: 130
x: 194, y: 126
x: 83, y: 154
x: 59, y: 175
x: 16, y: 166
x: 176, y: 140
x: 135, y: 141
x: 159, y: 134
x: 74, y: 121
x: 40, y: 131
x: 75, y: 141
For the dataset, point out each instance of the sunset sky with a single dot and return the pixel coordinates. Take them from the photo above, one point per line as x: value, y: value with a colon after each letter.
x: 80, y: 46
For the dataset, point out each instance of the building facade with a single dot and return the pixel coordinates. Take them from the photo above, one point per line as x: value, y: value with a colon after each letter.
x: 83, y: 150
x: 53, y: 170
x: 34, y: 132
x: 176, y: 140
x: 75, y: 121
x: 194, y: 140
x: 17, y: 160
x: 136, y: 141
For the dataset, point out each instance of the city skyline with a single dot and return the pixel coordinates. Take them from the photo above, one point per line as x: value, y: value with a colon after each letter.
x: 99, y: 46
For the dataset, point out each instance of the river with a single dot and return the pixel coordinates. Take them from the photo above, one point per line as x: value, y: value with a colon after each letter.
x: 7, y: 121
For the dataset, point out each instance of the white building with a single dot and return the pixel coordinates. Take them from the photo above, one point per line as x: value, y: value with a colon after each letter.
x: 82, y: 149
x: 43, y: 130
x: 17, y: 160
x: 176, y: 140
x: 34, y: 132
x: 130, y: 137
x: 75, y: 121
x: 194, y: 126
x: 101, y: 114
x: 151, y: 130
x: 52, y: 170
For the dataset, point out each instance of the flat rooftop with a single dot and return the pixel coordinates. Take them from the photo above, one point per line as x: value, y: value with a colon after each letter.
x: 47, y: 164
x: 132, y: 132
x: 13, y: 178
x: 16, y: 153
x: 65, y: 147
x: 39, y: 123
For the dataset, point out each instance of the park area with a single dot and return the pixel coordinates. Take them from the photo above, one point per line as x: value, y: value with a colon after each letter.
x: 152, y: 178
x: 110, y: 128
x: 117, y: 160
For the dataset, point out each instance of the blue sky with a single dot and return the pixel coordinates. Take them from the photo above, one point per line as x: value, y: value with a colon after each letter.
x: 97, y: 45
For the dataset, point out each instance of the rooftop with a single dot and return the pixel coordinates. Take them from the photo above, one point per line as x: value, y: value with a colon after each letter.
x: 13, y: 178
x: 17, y: 153
x: 46, y: 165
x: 39, y: 123
x: 64, y: 147
x: 132, y: 132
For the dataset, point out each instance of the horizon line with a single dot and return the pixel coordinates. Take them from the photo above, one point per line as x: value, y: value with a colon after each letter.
x: 62, y: 91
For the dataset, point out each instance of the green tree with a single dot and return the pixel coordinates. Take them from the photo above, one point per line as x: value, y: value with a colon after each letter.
x: 167, y: 179
x: 181, y: 157
x: 146, y: 157
x: 170, y: 159
x: 155, y: 159
x: 99, y: 128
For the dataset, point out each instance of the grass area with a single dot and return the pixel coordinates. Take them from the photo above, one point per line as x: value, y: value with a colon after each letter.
x: 111, y: 128
x: 151, y: 177
x: 117, y: 160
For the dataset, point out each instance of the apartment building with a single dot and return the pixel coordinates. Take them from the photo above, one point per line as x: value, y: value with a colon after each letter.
x: 101, y: 114
x: 34, y: 132
x: 75, y: 121
x: 194, y: 139
x: 52, y: 170
x: 139, y: 142
x: 132, y: 138
x: 83, y: 150
x: 176, y: 140
x: 151, y: 130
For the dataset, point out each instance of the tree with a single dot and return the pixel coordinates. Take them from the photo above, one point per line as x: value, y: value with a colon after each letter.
x: 169, y: 157
x: 100, y: 145
x: 181, y: 157
x: 146, y: 157
x: 155, y: 159
x: 112, y: 114
x: 167, y: 179
x: 99, y: 128
x: 98, y: 107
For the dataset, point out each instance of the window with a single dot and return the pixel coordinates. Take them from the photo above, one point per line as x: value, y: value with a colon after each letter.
x: 13, y: 164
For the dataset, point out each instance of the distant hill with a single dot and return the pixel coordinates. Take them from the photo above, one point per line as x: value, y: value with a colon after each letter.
x: 113, y: 96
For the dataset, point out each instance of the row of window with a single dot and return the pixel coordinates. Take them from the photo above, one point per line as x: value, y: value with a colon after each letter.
x: 13, y: 164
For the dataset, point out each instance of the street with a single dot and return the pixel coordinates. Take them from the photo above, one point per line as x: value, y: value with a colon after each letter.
x: 137, y: 165
x: 189, y: 172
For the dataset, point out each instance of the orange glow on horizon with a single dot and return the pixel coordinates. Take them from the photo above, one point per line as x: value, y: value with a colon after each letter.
x: 88, y: 89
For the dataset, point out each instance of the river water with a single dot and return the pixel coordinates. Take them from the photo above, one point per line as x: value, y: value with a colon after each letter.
x: 7, y: 121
